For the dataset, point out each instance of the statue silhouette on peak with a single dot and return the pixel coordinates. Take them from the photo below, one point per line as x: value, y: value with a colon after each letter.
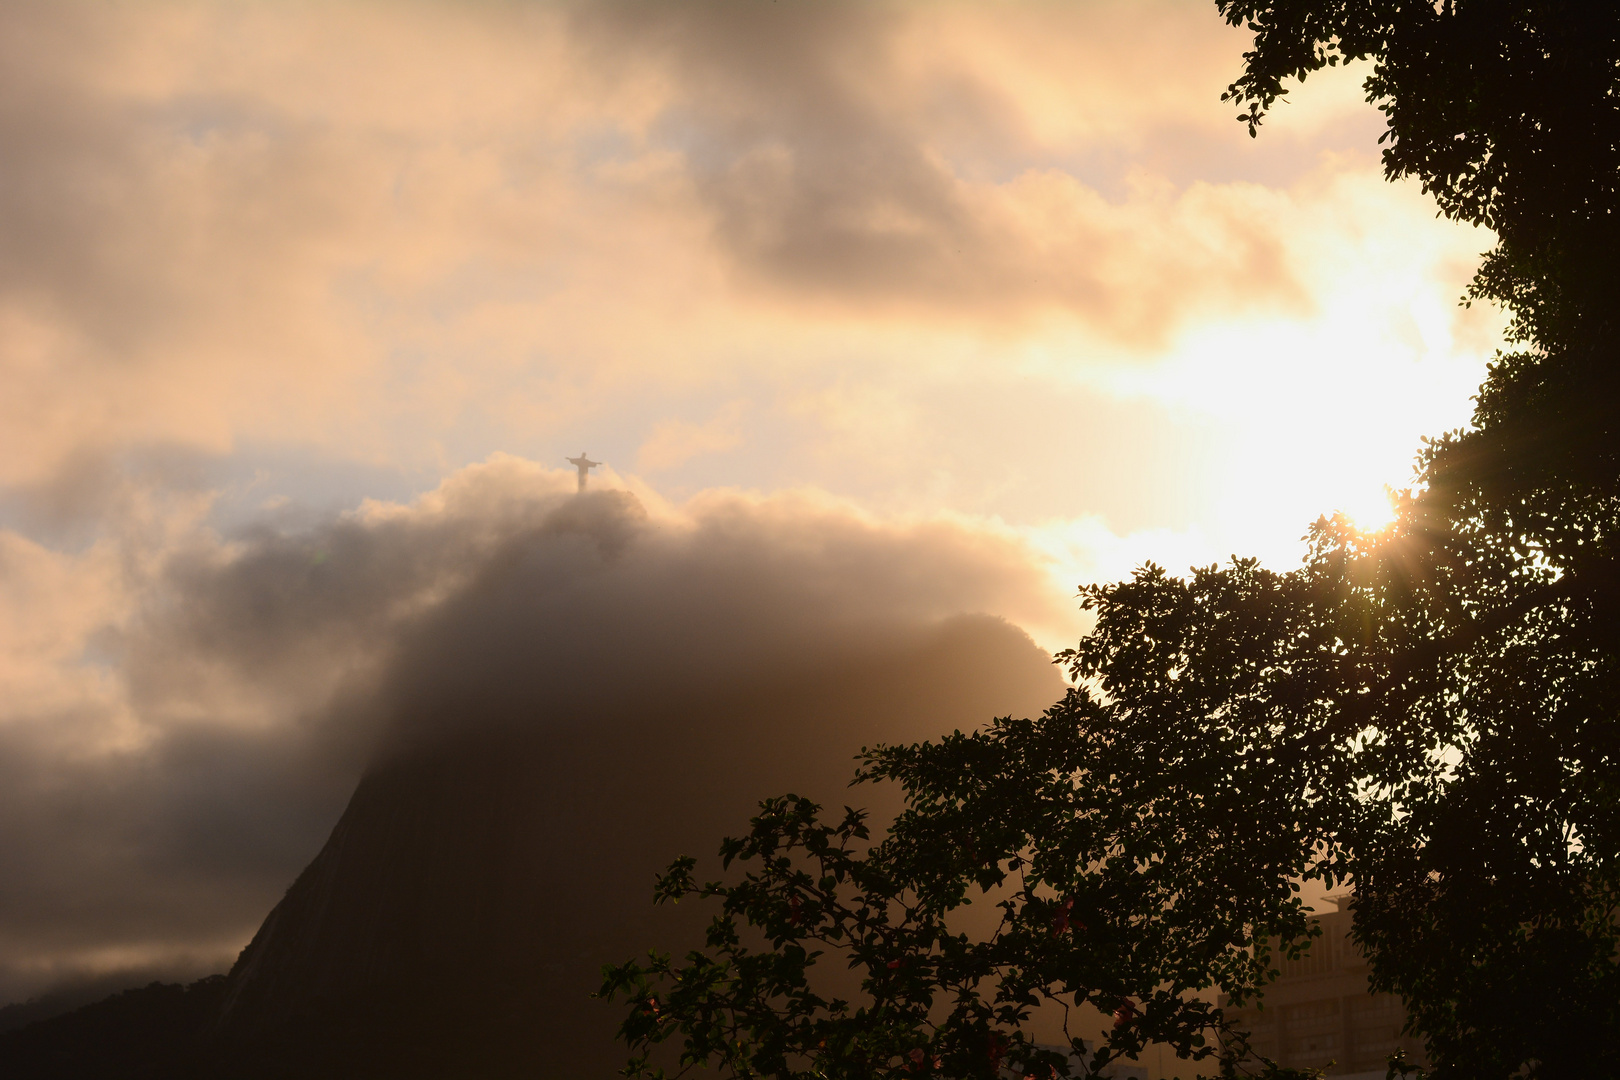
x: 584, y: 465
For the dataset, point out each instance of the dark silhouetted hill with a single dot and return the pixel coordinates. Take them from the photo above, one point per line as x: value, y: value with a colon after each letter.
x: 75, y: 994
x: 146, y: 1034
x: 455, y: 922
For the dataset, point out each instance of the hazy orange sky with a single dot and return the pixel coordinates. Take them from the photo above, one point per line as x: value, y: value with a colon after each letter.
x: 1002, y: 287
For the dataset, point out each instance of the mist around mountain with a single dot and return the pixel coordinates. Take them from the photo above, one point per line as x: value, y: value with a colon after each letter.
x: 604, y: 694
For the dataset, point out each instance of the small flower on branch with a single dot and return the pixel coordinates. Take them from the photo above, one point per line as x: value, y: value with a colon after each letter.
x: 1064, y: 918
x: 995, y: 1049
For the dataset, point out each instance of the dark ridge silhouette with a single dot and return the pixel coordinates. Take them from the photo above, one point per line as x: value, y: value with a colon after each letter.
x: 456, y: 921
x: 148, y: 1034
x: 74, y: 995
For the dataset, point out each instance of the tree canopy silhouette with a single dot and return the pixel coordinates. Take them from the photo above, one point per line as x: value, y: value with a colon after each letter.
x: 1490, y: 905
x: 1427, y: 713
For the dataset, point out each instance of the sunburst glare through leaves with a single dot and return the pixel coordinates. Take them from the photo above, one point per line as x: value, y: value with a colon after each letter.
x: 1370, y: 511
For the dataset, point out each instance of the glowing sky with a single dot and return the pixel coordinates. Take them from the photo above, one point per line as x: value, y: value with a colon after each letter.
x: 1007, y: 270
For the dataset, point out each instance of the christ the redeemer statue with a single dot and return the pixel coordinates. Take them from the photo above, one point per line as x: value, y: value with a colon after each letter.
x: 584, y: 465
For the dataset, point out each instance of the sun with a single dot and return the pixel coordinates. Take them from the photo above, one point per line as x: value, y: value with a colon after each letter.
x: 1371, y: 511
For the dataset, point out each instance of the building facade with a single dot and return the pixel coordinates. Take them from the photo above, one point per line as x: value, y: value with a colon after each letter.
x: 1319, y: 1015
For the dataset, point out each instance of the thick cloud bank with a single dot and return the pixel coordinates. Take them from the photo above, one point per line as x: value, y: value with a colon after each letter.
x: 751, y: 643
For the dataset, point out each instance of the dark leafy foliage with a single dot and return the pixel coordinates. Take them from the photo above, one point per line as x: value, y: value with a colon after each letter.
x: 1427, y: 713
x: 1140, y: 843
x: 1100, y: 906
x: 1484, y: 860
x: 1484, y: 850
x: 1422, y: 712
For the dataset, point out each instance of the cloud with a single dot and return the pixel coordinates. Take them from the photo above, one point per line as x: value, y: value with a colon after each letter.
x: 185, y: 767
x: 1014, y: 262
x: 225, y: 224
x: 673, y: 442
x: 819, y: 139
